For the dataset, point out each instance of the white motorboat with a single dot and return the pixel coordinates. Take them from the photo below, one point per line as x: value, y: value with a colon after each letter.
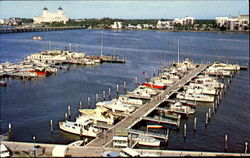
x: 148, y: 90
x: 116, y: 106
x: 209, y: 81
x: 227, y: 67
x: 127, y: 100
x: 83, y: 126
x: 147, y: 141
x: 179, y: 108
x: 200, y: 89
x: 99, y: 114
x: 195, y: 97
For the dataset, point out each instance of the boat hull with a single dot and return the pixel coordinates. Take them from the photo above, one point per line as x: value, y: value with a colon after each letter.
x: 154, y: 86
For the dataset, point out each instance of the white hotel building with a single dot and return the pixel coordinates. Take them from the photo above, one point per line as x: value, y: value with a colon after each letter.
x: 51, y: 16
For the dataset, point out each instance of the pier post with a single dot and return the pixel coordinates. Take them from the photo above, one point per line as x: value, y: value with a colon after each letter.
x: 51, y: 126
x: 66, y: 116
x: 117, y: 91
x: 215, y: 106
x: 80, y: 105
x: 104, y: 95
x: 109, y: 93
x: 178, y: 121
x: 167, y: 136
x: 34, y: 141
x: 146, y: 76
x: 10, y: 132
x: 246, y: 147
x: 96, y: 97
x: 124, y: 86
x: 195, y: 124
x: 206, y: 119
x: 225, y: 142
x: 136, y: 80
x: 213, y: 109
x: 154, y: 73
x: 209, y: 113
x: 185, y: 131
x: 69, y: 111
x: 89, y: 102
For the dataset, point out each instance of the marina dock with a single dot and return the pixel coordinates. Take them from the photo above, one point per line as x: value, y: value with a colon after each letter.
x: 144, y: 109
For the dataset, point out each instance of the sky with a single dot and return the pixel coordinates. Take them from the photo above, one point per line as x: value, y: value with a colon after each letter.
x: 126, y: 9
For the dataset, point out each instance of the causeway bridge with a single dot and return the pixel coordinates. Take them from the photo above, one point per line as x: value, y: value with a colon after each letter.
x: 37, y: 29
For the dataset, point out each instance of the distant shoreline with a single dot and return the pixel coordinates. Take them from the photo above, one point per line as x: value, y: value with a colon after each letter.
x: 244, y: 32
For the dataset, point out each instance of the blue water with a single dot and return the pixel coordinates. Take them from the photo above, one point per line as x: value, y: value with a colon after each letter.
x: 29, y: 106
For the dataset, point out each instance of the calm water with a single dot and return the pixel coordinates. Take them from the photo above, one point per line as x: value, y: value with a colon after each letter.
x: 29, y: 106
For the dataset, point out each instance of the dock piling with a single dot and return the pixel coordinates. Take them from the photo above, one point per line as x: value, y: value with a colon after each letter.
x: 88, y: 102
x: 206, y: 119
x: 69, y: 112
x: 9, y: 132
x: 96, y: 97
x: 136, y: 80
x: 104, y: 95
x: 51, y: 126
x: 213, y: 109
x: 80, y: 105
x: 225, y: 142
x: 66, y: 116
x: 246, y: 147
x: 185, y: 131
x: 117, y: 91
x: 109, y: 93
x: 209, y: 114
x: 195, y: 124
x: 124, y: 86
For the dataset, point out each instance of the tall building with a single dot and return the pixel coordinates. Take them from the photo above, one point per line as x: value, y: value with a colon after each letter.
x: 51, y: 16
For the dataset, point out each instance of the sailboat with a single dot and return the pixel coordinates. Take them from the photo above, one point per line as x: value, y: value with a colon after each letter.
x: 110, y: 59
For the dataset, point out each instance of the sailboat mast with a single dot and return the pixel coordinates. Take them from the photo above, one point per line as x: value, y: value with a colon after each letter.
x: 102, y: 43
x: 178, y: 49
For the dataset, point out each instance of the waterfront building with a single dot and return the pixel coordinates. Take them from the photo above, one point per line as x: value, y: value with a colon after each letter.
x: 164, y: 24
x: 51, y: 17
x: 130, y: 26
x: 184, y: 21
x: 241, y: 22
x: 117, y: 25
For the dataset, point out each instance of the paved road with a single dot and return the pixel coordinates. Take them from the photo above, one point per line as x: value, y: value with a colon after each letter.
x: 126, y: 122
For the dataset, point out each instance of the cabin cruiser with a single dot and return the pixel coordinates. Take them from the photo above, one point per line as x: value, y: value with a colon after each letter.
x: 195, y: 97
x: 181, y: 109
x: 143, y: 91
x: 82, y: 126
x: 127, y: 100
x: 99, y: 114
x: 208, y: 81
x: 200, y: 89
x: 155, y: 84
x: 116, y: 105
x: 227, y: 67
